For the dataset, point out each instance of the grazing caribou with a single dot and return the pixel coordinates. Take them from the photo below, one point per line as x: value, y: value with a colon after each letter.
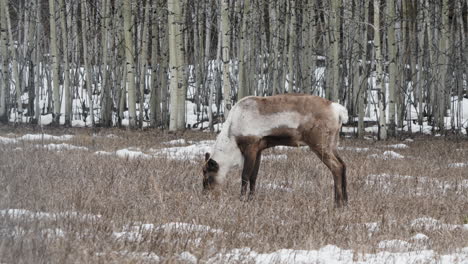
x: 258, y: 123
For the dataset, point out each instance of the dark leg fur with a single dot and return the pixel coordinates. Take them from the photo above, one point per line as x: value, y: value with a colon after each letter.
x: 249, y: 166
x: 343, y: 179
x: 253, y: 176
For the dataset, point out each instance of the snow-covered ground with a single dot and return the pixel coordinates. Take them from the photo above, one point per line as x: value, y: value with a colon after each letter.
x: 412, y: 251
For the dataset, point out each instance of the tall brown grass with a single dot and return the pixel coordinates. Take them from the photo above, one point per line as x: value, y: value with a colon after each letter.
x: 293, y: 207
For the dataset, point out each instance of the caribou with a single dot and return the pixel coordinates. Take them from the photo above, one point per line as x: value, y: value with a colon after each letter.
x: 257, y: 123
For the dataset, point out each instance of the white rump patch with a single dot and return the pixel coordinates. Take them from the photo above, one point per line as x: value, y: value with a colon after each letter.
x: 341, y: 112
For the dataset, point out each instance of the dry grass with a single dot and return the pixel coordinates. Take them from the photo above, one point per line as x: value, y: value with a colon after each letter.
x: 293, y: 207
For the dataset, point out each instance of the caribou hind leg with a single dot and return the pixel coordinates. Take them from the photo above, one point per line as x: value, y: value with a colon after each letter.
x: 338, y: 169
x: 323, y: 145
x: 343, y: 178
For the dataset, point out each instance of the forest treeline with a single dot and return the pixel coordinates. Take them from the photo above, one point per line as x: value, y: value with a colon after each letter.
x: 113, y: 62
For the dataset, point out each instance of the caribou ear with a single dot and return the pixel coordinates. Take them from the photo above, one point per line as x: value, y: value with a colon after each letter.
x: 207, y: 156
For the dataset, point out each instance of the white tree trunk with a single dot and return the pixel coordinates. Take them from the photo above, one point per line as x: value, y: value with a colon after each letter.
x: 144, y: 63
x: 55, y: 63
x: 392, y: 50
x: 379, y: 74
x: 12, y: 49
x: 66, y: 68
x: 106, y: 103
x: 243, y: 87
x: 225, y: 55
x: 175, y: 64
x: 155, y: 103
x: 86, y: 61
x: 292, y: 45
x: 130, y: 64
x: 4, y: 89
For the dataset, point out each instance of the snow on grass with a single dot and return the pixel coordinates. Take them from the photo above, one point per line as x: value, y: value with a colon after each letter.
x: 419, y: 236
x: 176, y: 142
x: 428, y: 223
x: 371, y: 227
x: 5, y: 140
x: 187, y: 257
x: 22, y: 213
x: 290, y: 148
x: 143, y: 256
x: 55, y: 232
x: 32, y: 137
x: 190, y: 152
x: 457, y: 165
x: 387, y: 155
x: 275, y: 157
x: 397, y: 146
x: 276, y: 187
x: 104, y: 153
x: 354, y: 149
x: 45, y: 137
x: 131, y: 154
x: 394, y: 244
x: 419, y: 185
x: 335, y: 255
x: 136, y: 232
x: 186, y: 228
x: 63, y: 146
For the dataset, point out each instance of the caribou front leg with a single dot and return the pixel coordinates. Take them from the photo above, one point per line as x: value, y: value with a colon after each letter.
x: 250, y: 158
x: 253, y: 176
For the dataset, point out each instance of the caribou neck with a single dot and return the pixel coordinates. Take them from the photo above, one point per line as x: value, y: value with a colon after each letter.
x: 226, y: 153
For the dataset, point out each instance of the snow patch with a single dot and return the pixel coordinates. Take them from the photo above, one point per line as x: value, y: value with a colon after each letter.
x: 145, y: 256
x: 457, y: 165
x: 132, y: 154
x: 22, y: 213
x: 387, y: 155
x: 62, y: 146
x: 45, y: 137
x: 354, y: 149
x: 5, y: 140
x: 50, y: 233
x: 176, y: 142
x: 190, y: 152
x: 420, y: 236
x: 397, y: 146
x: 394, y: 244
x: 429, y: 223
x: 276, y: 187
x: 275, y: 157
x: 188, y: 257
x: 336, y: 255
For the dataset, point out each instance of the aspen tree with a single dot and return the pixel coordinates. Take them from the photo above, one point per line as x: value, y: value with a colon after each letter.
x: 363, y: 80
x: 12, y: 49
x: 4, y: 82
x: 225, y: 55
x: 106, y: 101
x: 392, y: 50
x: 335, y: 41
x: 175, y: 64
x: 143, y: 62
x: 292, y: 45
x: 243, y: 87
x: 66, y: 68
x: 87, y: 68
x: 155, y: 101
x: 379, y: 73
x: 130, y: 64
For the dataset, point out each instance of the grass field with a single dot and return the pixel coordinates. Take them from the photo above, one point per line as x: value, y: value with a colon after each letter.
x: 99, y: 204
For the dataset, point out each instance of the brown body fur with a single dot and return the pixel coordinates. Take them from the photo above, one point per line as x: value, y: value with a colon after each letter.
x: 320, y: 132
